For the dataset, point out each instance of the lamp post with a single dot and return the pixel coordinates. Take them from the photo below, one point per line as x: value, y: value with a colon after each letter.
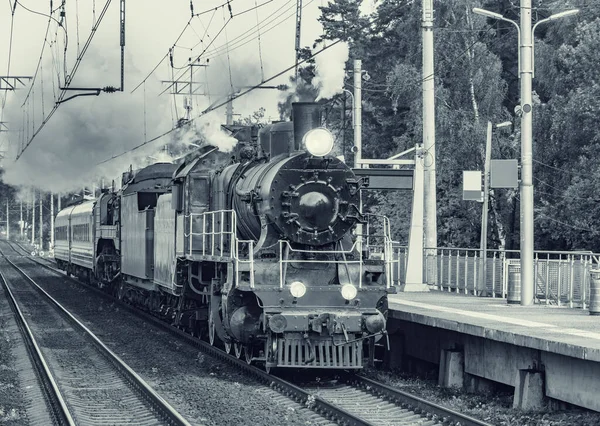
x: 486, y: 197
x: 525, y: 34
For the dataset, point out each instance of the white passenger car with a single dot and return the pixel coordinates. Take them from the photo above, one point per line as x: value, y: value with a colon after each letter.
x: 74, y: 238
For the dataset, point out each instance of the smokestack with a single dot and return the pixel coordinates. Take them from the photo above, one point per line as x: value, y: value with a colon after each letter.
x: 306, y: 116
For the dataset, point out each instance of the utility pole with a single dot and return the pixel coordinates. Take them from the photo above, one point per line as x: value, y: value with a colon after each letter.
x: 7, y: 221
x: 51, y: 221
x: 357, y: 112
x: 298, y: 28
x: 486, y: 198
x: 21, y: 216
x: 525, y: 58
x: 33, y: 216
x: 229, y: 111
x: 485, y: 205
x: 186, y: 87
x: 41, y: 224
x: 430, y: 203
x: 527, y: 278
x: 343, y: 117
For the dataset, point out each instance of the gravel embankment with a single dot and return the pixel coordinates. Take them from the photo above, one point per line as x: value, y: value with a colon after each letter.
x: 12, y: 403
x: 495, y: 408
x: 21, y: 399
x: 203, y: 390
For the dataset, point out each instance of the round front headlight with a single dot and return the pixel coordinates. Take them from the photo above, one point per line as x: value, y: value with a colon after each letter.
x: 349, y: 292
x: 298, y: 289
x: 319, y: 141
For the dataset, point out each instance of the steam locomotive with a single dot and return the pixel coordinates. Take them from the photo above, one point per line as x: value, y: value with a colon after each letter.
x: 264, y: 249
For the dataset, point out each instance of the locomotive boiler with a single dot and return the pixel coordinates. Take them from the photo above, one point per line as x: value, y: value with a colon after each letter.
x: 259, y: 249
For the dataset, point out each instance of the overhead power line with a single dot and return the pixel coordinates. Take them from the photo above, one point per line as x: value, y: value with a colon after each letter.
x: 68, y: 80
x: 214, y: 107
x: 233, y: 44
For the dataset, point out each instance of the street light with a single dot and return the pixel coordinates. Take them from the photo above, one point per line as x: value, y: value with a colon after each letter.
x: 548, y: 19
x: 486, y: 197
x: 525, y: 33
x: 494, y: 15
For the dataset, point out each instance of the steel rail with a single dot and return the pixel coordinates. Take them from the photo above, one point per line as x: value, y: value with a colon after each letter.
x: 56, y: 401
x: 397, y: 396
x: 314, y: 402
x: 165, y: 409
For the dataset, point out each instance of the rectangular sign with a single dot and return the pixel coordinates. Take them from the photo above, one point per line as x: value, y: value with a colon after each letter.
x: 504, y: 174
x: 387, y: 179
x: 472, y: 186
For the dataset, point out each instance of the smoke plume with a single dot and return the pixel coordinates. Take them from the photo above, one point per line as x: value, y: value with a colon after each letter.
x: 330, y: 70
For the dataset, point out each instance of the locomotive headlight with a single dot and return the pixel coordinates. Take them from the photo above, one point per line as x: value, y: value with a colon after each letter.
x: 319, y: 141
x: 298, y: 289
x: 349, y: 291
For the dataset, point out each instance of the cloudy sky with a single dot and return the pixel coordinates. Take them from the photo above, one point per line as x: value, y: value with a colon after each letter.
x: 87, y: 130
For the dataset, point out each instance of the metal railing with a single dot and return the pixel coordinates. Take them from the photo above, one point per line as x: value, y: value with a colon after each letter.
x: 217, y: 238
x: 213, y: 234
x: 561, y: 278
x: 375, y: 243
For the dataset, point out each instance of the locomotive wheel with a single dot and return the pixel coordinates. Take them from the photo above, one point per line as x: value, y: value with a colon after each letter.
x: 211, y: 329
x: 237, y: 349
x: 249, y: 353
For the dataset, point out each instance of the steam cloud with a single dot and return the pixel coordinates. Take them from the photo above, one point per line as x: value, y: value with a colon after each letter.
x: 330, y: 70
x: 86, y: 131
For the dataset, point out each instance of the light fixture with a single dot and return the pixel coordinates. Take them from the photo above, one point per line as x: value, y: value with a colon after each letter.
x: 298, y: 289
x: 318, y: 142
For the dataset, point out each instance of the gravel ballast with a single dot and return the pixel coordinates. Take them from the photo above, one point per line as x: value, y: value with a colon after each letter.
x: 495, y: 408
x: 204, y: 390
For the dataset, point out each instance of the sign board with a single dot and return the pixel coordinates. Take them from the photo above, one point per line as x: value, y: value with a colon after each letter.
x: 504, y: 174
x: 472, y: 186
x: 387, y: 179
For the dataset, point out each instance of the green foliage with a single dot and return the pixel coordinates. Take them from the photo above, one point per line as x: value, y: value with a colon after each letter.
x: 254, y: 119
x: 477, y: 81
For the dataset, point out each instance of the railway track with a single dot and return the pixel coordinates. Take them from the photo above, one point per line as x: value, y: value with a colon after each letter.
x: 83, y: 383
x: 353, y: 400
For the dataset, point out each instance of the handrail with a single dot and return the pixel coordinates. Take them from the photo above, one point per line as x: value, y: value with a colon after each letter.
x: 213, y: 238
x: 211, y: 232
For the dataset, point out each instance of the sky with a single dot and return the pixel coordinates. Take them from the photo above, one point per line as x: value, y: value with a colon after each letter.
x: 83, y: 132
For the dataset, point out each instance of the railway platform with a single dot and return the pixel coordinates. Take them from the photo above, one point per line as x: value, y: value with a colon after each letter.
x: 543, y: 351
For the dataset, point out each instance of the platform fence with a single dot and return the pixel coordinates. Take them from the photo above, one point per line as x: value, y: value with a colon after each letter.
x: 561, y: 278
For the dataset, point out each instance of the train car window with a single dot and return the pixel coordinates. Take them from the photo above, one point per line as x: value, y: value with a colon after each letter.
x: 199, y: 195
x: 147, y: 200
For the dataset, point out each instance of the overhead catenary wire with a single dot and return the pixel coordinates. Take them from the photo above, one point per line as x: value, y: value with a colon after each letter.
x: 221, y: 50
x: 67, y: 80
x: 228, y: 58
x: 10, y: 43
x: 570, y: 172
x: 164, y: 57
x: 39, y: 60
x: 262, y: 71
x: 250, y: 34
x: 198, y: 58
x: 188, y: 24
x: 212, y: 108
